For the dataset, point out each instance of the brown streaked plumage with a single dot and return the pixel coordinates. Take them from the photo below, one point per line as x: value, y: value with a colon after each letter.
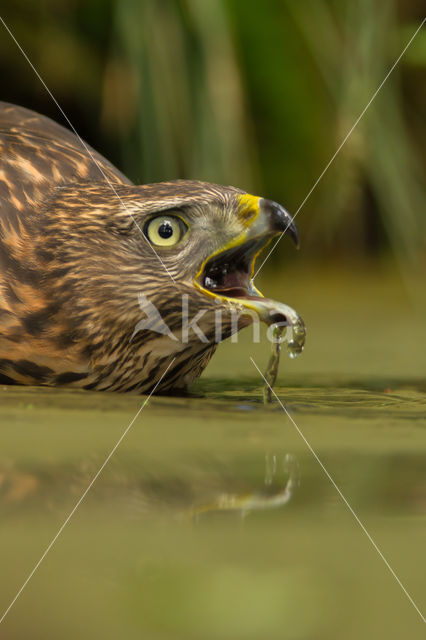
x: 74, y: 261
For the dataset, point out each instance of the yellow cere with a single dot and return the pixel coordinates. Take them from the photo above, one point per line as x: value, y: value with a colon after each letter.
x: 248, y: 208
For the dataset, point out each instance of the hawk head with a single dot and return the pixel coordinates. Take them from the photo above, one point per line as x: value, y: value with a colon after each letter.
x: 158, y: 271
x: 103, y: 283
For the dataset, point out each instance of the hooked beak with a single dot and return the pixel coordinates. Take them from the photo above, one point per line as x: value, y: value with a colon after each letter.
x: 274, y: 219
x: 227, y: 274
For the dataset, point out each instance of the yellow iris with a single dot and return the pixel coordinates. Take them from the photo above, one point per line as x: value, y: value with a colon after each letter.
x: 165, y: 231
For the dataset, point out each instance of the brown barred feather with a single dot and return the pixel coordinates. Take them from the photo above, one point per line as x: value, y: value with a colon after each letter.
x: 73, y: 262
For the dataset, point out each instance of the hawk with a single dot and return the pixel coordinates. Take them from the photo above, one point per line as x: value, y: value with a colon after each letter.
x: 96, y: 273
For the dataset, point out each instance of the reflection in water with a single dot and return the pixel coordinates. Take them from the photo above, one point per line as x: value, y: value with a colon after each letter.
x: 16, y: 486
x: 278, y: 469
x: 133, y: 567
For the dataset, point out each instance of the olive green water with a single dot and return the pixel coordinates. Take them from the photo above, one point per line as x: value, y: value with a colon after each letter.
x: 213, y: 519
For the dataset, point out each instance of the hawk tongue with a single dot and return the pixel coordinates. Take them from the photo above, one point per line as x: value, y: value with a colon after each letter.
x: 234, y: 284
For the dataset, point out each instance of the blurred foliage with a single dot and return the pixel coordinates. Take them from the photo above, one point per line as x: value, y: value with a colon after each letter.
x: 256, y: 94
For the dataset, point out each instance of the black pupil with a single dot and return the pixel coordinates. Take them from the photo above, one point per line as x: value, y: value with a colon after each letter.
x: 165, y: 230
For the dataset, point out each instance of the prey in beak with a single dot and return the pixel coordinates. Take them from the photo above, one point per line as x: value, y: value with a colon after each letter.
x: 228, y: 274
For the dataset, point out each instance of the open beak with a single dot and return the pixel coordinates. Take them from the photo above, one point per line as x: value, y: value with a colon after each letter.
x: 227, y: 274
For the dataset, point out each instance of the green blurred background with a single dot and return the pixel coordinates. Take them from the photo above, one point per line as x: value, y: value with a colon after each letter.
x: 255, y: 94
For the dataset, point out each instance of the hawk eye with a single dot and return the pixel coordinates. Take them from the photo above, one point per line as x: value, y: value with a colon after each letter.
x: 165, y: 231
